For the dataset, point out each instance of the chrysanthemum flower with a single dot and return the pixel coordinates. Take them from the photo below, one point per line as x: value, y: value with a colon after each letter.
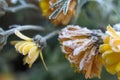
x: 29, y: 47
x: 61, y: 19
x: 111, y: 51
x: 80, y: 46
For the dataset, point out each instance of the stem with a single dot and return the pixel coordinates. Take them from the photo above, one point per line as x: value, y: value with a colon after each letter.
x: 19, y: 7
x: 22, y: 28
x: 51, y: 35
x: 22, y: 2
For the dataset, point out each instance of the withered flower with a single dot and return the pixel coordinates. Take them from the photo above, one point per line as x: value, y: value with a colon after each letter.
x: 81, y: 48
x: 30, y: 48
x: 59, y: 12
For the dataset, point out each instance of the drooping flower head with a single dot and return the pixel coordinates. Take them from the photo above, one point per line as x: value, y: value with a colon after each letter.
x: 59, y: 12
x: 30, y: 48
x: 81, y: 48
x: 111, y: 51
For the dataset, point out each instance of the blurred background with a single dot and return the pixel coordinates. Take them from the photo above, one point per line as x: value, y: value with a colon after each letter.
x: 94, y: 14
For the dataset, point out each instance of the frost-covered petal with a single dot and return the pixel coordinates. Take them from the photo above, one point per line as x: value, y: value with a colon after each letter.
x: 20, y: 35
x: 32, y: 51
x: 20, y: 47
x: 27, y: 48
x: 18, y: 44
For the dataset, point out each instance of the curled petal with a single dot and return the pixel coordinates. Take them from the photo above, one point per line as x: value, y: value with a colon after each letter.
x: 115, y: 44
x: 110, y: 68
x: 32, y: 51
x: 31, y: 60
x: 118, y: 67
x: 112, y: 58
x: 27, y: 48
x: 110, y: 31
x: 14, y: 42
x: 20, y: 35
x: 20, y: 48
x: 104, y: 55
x: 104, y: 48
x: 18, y: 44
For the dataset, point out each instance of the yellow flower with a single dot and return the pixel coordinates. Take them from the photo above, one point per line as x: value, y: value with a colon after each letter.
x: 81, y: 50
x: 29, y: 48
x: 111, y: 51
x: 61, y: 19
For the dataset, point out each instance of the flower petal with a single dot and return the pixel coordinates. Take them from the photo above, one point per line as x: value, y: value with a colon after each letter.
x: 106, y: 53
x: 115, y: 44
x: 112, y: 58
x: 20, y: 35
x: 110, y: 31
x: 118, y: 67
x: 27, y: 48
x: 43, y: 60
x: 104, y: 48
x: 18, y: 44
x: 31, y: 60
x: 32, y: 51
x: 14, y: 42
x: 111, y: 68
x: 20, y: 48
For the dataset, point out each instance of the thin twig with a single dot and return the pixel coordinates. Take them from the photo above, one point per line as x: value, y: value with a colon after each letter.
x: 51, y: 35
x: 22, y: 2
x: 22, y: 28
x: 20, y: 7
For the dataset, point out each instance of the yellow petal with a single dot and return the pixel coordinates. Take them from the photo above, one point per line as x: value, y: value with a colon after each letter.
x: 111, y: 68
x: 32, y: 51
x: 104, y: 48
x: 27, y: 48
x: 45, y: 6
x: 20, y: 35
x: 20, y: 48
x: 106, y: 53
x: 112, y: 58
x: 112, y: 32
x: 31, y: 60
x: 14, y: 42
x: 115, y: 44
x: 43, y: 60
x: 106, y: 39
x: 118, y: 67
x: 25, y: 60
x: 18, y: 44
